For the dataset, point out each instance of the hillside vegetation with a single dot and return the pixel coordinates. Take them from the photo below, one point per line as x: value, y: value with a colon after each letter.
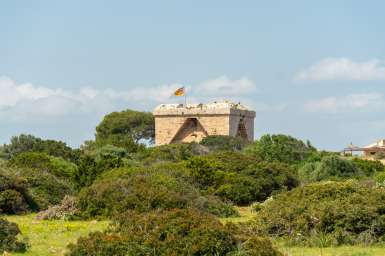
x: 185, y: 199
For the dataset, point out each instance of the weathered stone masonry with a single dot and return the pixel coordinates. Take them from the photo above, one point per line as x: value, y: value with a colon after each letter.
x: 176, y: 123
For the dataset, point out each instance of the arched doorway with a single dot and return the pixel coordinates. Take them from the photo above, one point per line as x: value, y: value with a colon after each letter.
x: 191, y: 131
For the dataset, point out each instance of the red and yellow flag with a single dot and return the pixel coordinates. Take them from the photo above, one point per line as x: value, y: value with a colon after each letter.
x: 179, y: 92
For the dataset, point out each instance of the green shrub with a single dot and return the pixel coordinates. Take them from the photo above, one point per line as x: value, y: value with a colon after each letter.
x: 144, y: 190
x: 368, y: 167
x: 233, y: 161
x: 30, y: 189
x: 207, y: 173
x: 8, y: 237
x: 331, y: 213
x: 36, y: 160
x: 14, y: 197
x: 241, y: 182
x: 380, y: 178
x: 280, y: 148
x: 175, y: 232
x: 329, y: 168
x: 11, y: 201
x: 89, y: 168
x: 29, y: 143
x: 108, y: 150
x: 257, y: 246
x: 170, y: 153
x: 224, y: 143
x: 44, y: 189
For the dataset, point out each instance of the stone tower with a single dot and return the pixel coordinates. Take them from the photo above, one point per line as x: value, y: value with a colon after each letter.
x: 176, y: 123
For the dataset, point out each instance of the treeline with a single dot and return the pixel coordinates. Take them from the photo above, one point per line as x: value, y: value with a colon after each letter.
x: 167, y: 199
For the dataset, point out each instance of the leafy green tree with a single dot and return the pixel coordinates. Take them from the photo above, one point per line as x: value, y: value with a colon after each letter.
x: 29, y: 143
x: 90, y: 168
x: 280, y: 148
x: 125, y: 129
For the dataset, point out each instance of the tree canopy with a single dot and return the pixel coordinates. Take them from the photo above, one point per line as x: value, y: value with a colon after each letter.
x: 125, y: 128
x: 280, y: 148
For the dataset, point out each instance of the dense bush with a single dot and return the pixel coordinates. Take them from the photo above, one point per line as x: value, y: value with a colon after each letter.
x: 12, y: 201
x: 241, y: 182
x: 36, y: 160
x: 170, y: 153
x: 44, y: 188
x: 233, y: 161
x: 330, y: 168
x: 14, y: 197
x: 175, y: 232
x: 224, y: 143
x: 8, y: 237
x: 38, y: 188
x: 89, y: 168
x: 257, y: 246
x: 368, y: 167
x: 107, y: 150
x: 280, y: 148
x: 24, y: 189
x: 143, y: 190
x: 333, y: 212
x: 29, y: 143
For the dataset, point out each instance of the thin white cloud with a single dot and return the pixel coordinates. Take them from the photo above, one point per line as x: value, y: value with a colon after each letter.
x: 225, y: 86
x: 352, y: 102
x: 343, y: 69
x: 23, y: 100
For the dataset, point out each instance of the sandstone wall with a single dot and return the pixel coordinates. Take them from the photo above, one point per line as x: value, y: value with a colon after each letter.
x: 171, y: 125
x: 166, y: 127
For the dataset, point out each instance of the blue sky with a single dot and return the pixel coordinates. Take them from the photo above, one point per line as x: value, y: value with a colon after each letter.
x: 314, y: 70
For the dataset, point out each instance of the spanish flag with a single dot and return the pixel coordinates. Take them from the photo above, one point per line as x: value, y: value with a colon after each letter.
x: 179, y: 92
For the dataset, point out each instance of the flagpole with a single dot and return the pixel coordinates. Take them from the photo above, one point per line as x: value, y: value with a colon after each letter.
x: 185, y: 100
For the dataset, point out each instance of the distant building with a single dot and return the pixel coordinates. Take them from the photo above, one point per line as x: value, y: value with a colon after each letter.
x: 177, y: 123
x: 369, y: 152
x: 374, y: 148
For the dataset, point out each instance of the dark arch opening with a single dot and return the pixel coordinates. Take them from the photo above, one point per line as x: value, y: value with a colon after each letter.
x: 191, y: 130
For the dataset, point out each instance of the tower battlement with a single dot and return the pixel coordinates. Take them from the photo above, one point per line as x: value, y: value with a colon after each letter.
x: 177, y: 123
